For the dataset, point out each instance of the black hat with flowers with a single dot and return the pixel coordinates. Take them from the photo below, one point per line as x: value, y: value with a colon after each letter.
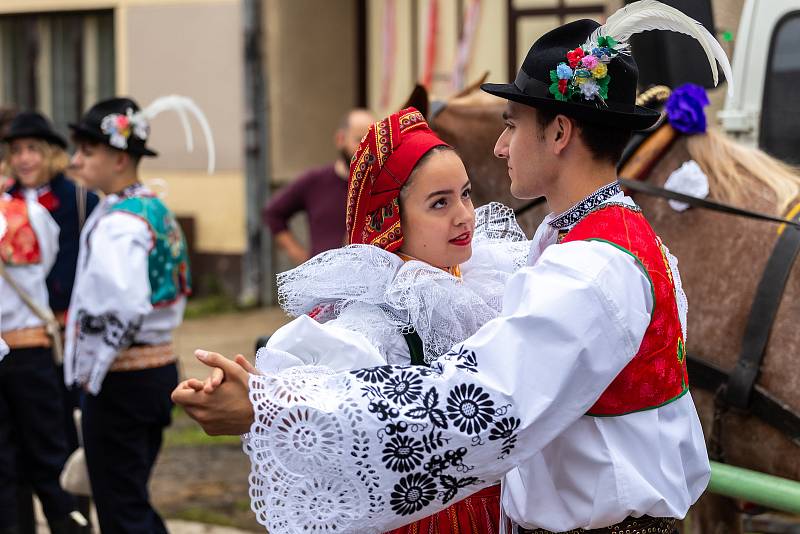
x: 585, y: 70
x: 118, y: 123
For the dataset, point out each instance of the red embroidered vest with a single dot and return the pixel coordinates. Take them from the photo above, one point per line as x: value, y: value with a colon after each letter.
x: 19, y: 246
x: 657, y: 374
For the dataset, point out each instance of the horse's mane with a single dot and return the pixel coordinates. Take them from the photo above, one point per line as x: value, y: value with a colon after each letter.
x: 736, y: 171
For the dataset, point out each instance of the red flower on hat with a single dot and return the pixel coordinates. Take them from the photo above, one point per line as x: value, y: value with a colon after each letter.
x: 574, y: 57
x: 562, y: 86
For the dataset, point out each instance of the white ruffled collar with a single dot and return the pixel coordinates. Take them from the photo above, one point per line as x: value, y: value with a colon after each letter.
x: 414, y: 296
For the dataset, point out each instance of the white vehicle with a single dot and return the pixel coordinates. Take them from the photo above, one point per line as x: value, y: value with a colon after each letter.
x: 765, y: 108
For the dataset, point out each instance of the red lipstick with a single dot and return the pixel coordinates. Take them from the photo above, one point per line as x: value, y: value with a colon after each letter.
x: 462, y: 240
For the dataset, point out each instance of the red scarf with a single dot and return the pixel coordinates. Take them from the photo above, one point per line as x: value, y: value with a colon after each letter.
x: 379, y: 169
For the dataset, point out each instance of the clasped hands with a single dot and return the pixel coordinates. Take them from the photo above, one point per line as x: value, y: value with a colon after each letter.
x: 220, y: 403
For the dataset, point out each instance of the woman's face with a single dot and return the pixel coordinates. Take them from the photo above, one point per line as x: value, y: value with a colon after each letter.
x: 27, y: 162
x: 437, y: 215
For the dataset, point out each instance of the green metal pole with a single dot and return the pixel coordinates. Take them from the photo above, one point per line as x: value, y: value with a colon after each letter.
x: 767, y: 490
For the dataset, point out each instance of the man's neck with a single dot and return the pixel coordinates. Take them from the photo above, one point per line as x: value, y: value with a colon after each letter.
x: 120, y: 183
x: 578, y: 181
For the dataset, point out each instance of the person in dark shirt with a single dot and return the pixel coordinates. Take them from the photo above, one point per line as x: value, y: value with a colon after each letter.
x: 321, y: 194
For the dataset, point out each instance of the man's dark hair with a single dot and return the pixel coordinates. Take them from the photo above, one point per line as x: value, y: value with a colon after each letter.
x: 604, y: 142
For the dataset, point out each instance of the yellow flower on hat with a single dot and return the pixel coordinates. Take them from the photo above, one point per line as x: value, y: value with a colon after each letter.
x: 600, y: 70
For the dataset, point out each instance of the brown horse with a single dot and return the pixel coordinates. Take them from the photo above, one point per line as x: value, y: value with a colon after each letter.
x: 721, y: 261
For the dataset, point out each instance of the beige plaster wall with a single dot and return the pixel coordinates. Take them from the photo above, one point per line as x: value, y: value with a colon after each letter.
x: 488, y: 51
x: 193, y: 49
x: 310, y: 51
x: 216, y: 203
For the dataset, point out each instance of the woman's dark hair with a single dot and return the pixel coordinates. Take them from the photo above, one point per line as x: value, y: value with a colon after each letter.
x: 604, y: 142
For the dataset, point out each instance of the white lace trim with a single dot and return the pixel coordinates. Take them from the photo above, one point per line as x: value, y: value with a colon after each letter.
x: 680, y: 295
x: 411, y: 296
x: 297, y: 450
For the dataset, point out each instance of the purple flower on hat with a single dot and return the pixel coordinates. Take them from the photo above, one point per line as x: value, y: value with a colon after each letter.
x: 685, y: 108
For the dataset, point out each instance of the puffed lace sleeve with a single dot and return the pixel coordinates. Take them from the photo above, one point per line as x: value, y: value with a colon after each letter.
x: 305, y: 341
x: 112, y: 299
x: 375, y: 448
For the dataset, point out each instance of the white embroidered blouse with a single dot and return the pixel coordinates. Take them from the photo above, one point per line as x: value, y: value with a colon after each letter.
x: 32, y: 279
x: 110, y: 307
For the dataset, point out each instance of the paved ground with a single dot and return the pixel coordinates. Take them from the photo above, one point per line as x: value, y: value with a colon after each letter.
x: 228, y: 334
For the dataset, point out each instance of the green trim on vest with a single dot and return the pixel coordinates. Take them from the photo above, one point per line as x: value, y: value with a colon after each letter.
x: 168, y: 262
x: 668, y: 401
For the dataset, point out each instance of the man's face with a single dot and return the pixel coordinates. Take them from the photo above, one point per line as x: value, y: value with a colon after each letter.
x: 524, y: 146
x: 94, y: 165
x: 347, y: 139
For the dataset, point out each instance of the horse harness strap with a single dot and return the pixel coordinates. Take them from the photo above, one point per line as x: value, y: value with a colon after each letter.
x: 762, y: 315
x: 653, y: 190
x: 739, y: 389
x: 707, y: 376
x: 656, y: 191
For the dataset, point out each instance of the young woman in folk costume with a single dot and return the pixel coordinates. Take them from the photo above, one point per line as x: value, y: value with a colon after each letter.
x: 424, y: 270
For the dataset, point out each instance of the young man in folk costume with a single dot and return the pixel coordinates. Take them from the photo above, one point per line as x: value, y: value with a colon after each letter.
x: 130, y: 293
x: 33, y: 445
x: 576, y: 396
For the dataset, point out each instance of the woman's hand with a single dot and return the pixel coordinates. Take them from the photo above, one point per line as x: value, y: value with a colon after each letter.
x: 220, y: 404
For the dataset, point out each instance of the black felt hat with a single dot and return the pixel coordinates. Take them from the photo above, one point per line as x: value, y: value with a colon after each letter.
x: 118, y: 123
x: 35, y: 125
x: 532, y: 86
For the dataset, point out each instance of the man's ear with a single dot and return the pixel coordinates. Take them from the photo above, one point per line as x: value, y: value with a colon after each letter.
x: 564, y: 131
x: 121, y: 161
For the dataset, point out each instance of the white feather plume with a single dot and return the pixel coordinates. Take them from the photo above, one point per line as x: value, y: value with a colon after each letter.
x: 180, y: 105
x: 647, y: 15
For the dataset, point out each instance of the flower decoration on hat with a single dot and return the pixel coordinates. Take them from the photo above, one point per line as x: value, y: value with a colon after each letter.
x: 584, y: 76
x: 585, y: 73
x: 119, y: 128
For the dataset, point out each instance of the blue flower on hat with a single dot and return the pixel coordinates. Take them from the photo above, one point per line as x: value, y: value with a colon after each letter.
x: 685, y: 108
x: 563, y: 71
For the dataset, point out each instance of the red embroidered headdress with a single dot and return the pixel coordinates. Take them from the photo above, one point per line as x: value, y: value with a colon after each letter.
x: 381, y: 165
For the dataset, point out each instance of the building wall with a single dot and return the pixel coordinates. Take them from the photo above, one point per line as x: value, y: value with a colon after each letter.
x: 312, y: 80
x: 488, y: 52
x: 192, y: 48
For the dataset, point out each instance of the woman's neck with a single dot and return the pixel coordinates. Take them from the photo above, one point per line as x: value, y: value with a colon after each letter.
x: 454, y: 270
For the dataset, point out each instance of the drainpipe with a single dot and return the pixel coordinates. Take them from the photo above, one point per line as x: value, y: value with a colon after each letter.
x: 257, y: 261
